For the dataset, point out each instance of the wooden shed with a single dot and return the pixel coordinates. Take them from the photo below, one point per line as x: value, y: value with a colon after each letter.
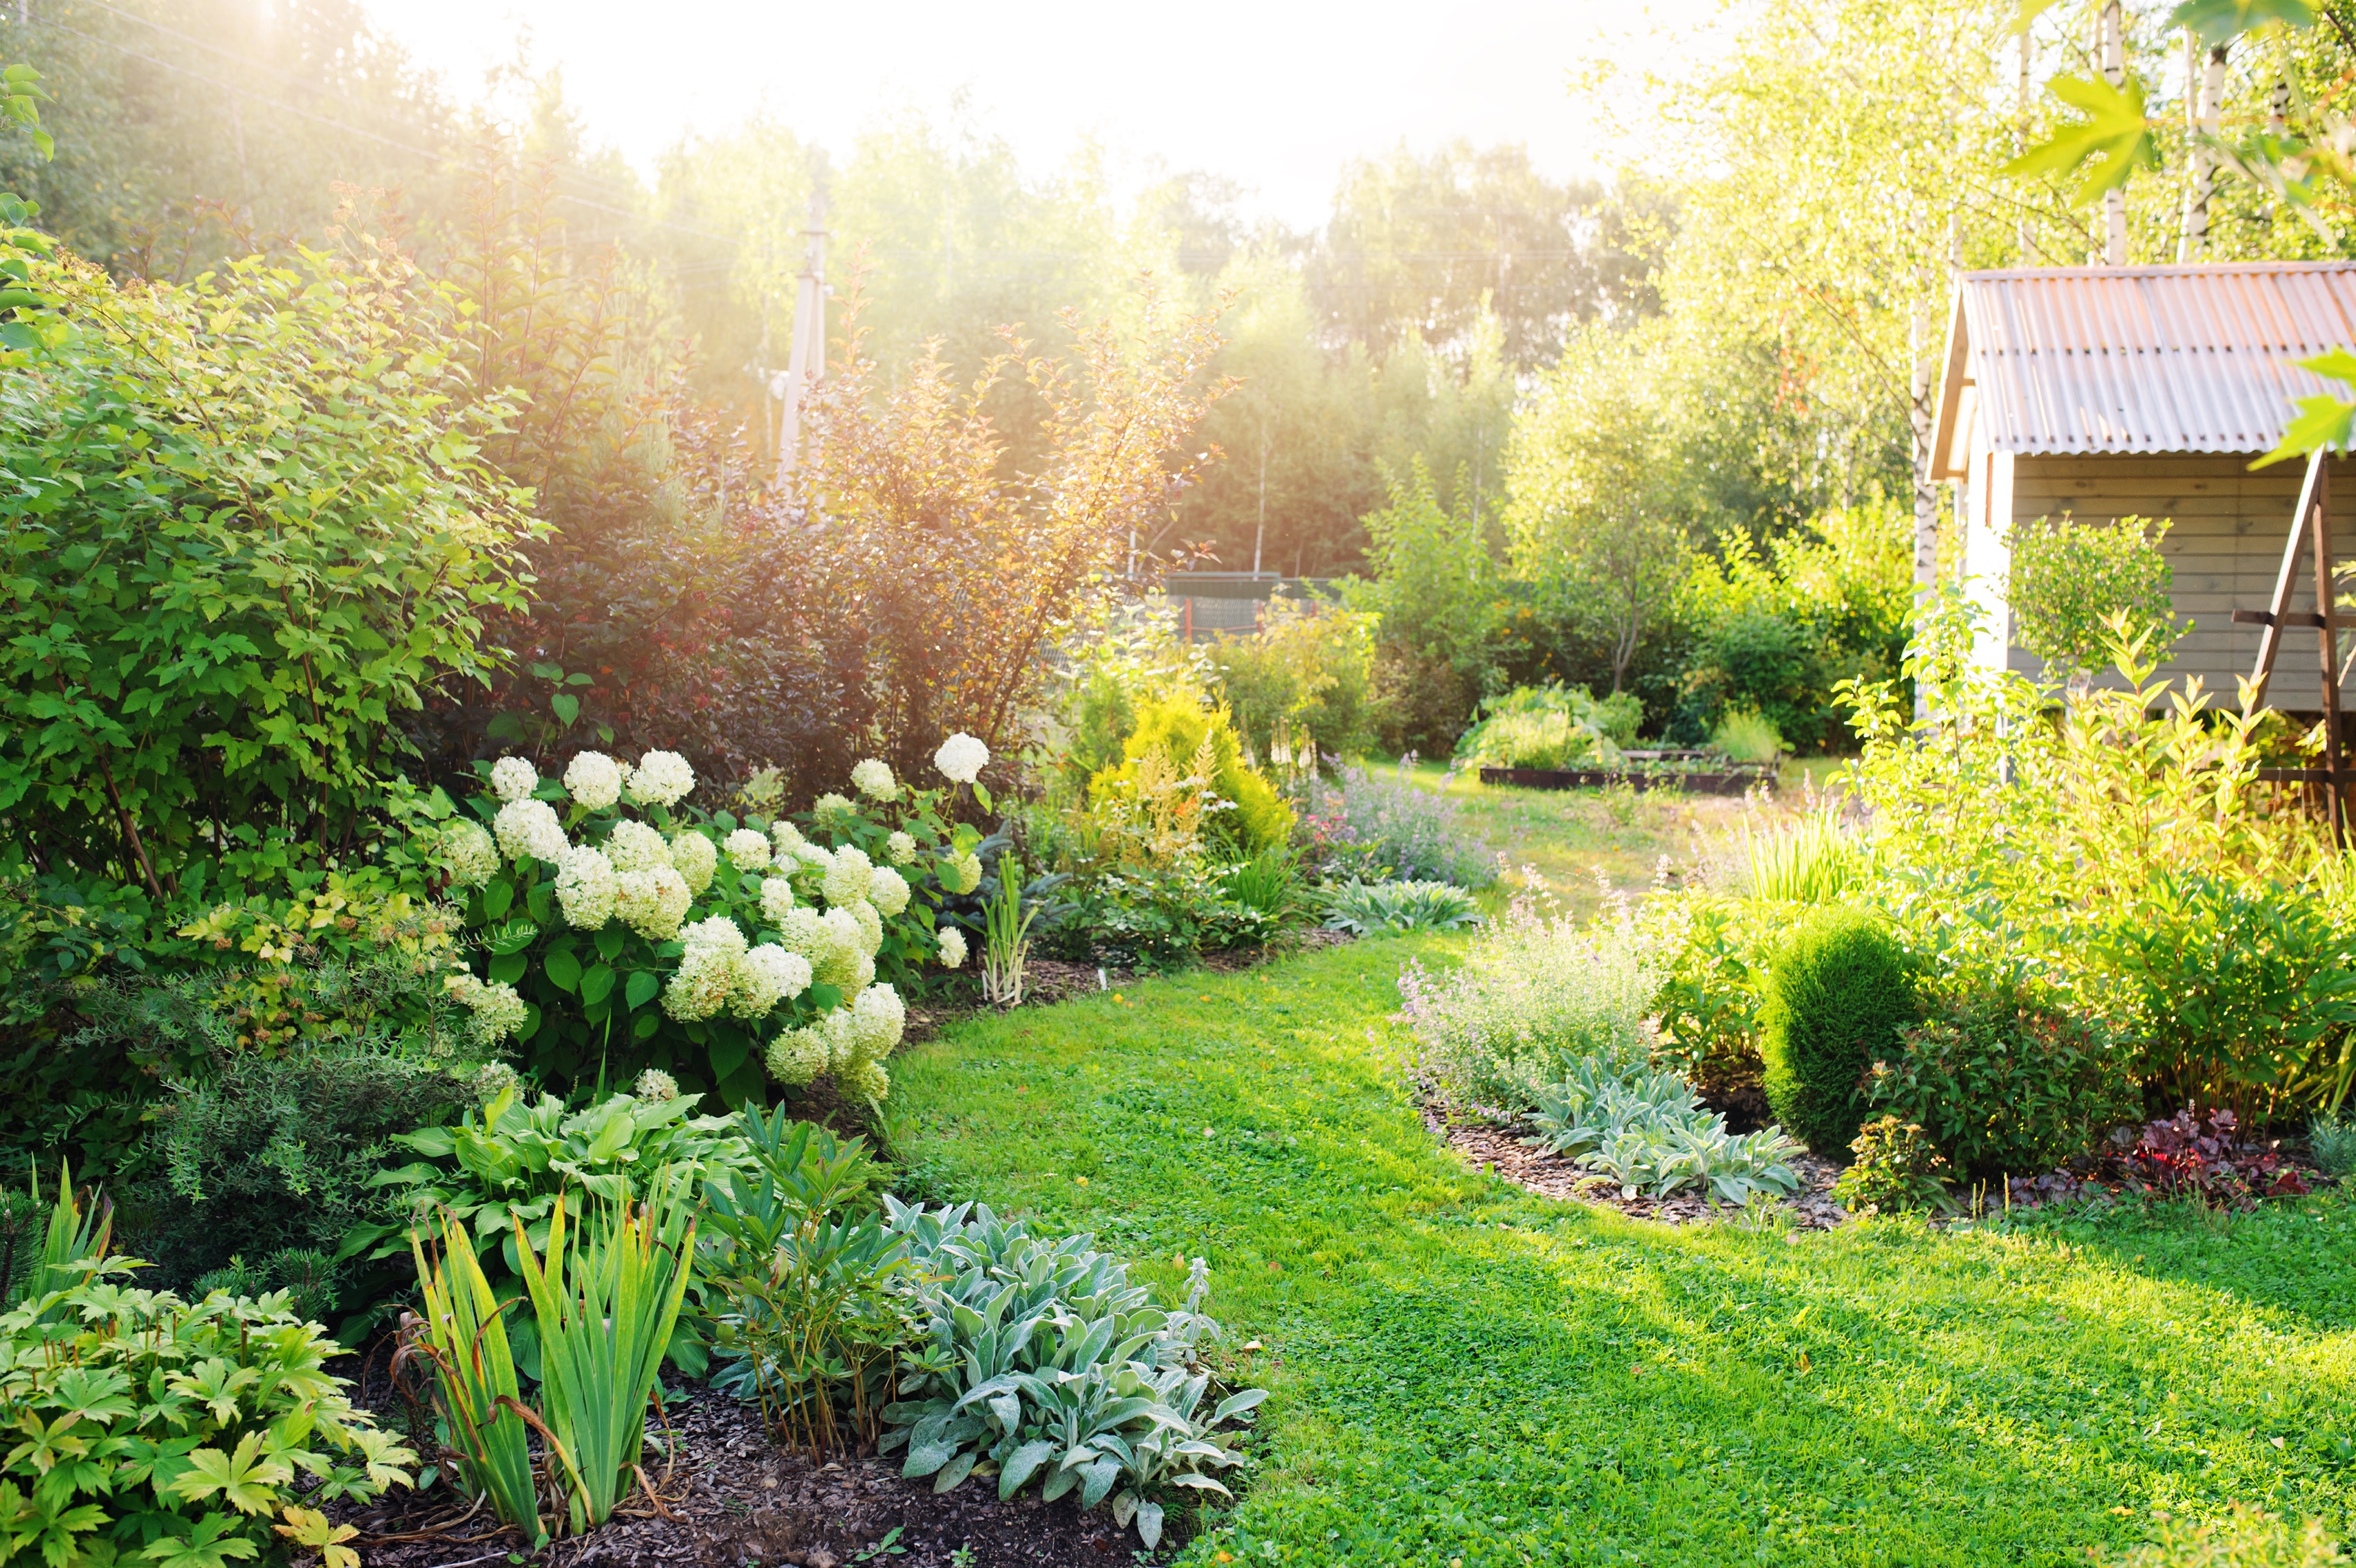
x: 2145, y: 392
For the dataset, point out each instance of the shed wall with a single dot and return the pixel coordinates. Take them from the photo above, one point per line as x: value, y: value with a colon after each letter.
x: 2224, y: 548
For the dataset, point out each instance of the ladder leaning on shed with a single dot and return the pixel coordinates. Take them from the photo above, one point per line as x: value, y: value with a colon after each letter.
x: 2313, y: 521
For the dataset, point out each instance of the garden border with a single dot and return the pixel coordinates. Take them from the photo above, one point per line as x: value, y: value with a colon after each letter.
x: 1736, y: 780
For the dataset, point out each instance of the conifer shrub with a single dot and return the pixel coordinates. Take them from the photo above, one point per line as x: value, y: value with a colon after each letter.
x: 1838, y: 1001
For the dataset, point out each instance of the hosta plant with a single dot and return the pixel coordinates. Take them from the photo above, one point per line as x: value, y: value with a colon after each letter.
x: 622, y: 931
x: 152, y: 1429
x: 1041, y: 1359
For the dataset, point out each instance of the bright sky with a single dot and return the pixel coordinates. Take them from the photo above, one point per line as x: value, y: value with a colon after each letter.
x: 1277, y: 94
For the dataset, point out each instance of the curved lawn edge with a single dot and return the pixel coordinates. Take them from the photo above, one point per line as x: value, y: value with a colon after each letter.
x: 1465, y: 1370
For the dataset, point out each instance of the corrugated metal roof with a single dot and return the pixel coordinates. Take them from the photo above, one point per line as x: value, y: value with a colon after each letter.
x: 2180, y: 359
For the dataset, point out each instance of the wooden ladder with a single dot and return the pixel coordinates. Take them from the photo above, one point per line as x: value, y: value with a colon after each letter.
x: 2311, y: 523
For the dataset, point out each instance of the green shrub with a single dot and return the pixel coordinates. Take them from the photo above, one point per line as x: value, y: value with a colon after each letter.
x: 2003, y: 1082
x: 1812, y: 861
x: 1303, y: 680
x: 1259, y: 817
x: 1895, y: 1171
x: 1712, y: 988
x: 2333, y: 1142
x: 1269, y: 883
x: 1551, y: 728
x: 1747, y: 735
x: 160, y: 1429
x: 1156, y: 917
x: 1841, y: 992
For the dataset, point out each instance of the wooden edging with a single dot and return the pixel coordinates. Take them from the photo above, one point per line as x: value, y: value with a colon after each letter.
x: 1726, y: 782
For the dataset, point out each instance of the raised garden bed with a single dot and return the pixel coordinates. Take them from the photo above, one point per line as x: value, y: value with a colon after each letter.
x: 1727, y: 778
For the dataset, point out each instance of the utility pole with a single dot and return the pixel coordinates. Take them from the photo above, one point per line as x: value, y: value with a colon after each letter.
x: 808, y: 358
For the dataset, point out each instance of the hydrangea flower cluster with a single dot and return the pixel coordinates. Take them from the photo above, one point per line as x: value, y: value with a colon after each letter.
x: 850, y: 1043
x: 499, y: 1011
x: 513, y: 779
x: 661, y: 778
x: 595, y: 780
x: 470, y: 852
x: 962, y: 758
x: 656, y: 1085
x: 747, y: 849
x: 527, y: 830
x: 874, y: 779
x: 720, y: 971
x: 695, y: 858
x: 586, y: 887
x: 952, y: 946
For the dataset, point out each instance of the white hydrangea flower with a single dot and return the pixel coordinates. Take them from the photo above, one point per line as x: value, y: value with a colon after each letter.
x: 498, y: 1010
x: 710, y: 969
x: 652, y: 903
x: 814, y: 858
x: 595, y: 780
x: 874, y: 779
x: 470, y: 852
x: 513, y: 779
x: 962, y: 874
x: 777, y: 899
x: 797, y: 1056
x: 766, y: 976
x: 833, y: 811
x: 803, y: 929
x: 900, y: 848
x: 656, y: 1084
x: 787, y: 837
x: 870, y: 927
x: 841, y: 1039
x: 586, y: 887
x: 952, y: 946
x: 717, y: 934
x: 878, y: 1019
x: 695, y: 857
x: 888, y: 891
x: 662, y: 779
x: 866, y: 1081
x: 841, y: 948
x: 747, y: 849
x: 847, y: 875
x: 962, y: 758
x: 862, y: 975
x: 527, y: 830
x: 634, y: 846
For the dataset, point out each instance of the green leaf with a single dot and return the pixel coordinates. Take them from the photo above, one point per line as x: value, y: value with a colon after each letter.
x: 646, y: 1025
x: 562, y: 968
x: 728, y: 1052
x: 640, y: 989
x: 247, y: 1480
x: 2101, y: 152
x: 2219, y: 21
x: 981, y: 794
x: 596, y: 984
x: 566, y: 706
x: 609, y: 943
x: 498, y: 898
x: 508, y: 968
x: 2323, y: 420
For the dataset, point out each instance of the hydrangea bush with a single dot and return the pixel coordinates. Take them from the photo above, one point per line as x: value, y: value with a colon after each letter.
x: 623, y: 933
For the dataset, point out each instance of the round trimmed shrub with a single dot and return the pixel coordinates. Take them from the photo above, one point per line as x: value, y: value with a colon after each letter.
x: 1836, y: 1003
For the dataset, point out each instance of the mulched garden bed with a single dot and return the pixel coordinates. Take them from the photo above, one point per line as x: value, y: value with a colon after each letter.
x: 735, y: 1498
x: 1499, y: 1149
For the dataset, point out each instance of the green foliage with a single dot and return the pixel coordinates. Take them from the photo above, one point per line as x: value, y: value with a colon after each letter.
x: 1551, y: 728
x: 1371, y: 908
x: 463, y: 1339
x: 2245, y: 1537
x: 1897, y: 1170
x: 808, y: 1323
x: 1841, y: 992
x: 1812, y: 861
x: 249, y: 529
x: 307, y: 1274
x: 1269, y: 883
x: 158, y: 1429
x: 1643, y: 1131
x: 1433, y: 596
x: 2003, y: 1082
x: 1041, y: 1358
x: 1712, y: 992
x: 51, y: 1240
x: 1158, y: 917
x: 1537, y: 995
x: 2332, y: 1141
x: 269, y: 1155
x: 2072, y: 582
x: 1302, y: 685
x: 1747, y: 735
x: 1255, y: 819
x: 1776, y: 629
x: 606, y: 1299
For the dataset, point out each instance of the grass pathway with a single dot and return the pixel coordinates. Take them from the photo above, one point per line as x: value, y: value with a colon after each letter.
x: 1469, y: 1375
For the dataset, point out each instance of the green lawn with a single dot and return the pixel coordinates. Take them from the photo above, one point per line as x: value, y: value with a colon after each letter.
x: 1565, y: 835
x: 1467, y: 1372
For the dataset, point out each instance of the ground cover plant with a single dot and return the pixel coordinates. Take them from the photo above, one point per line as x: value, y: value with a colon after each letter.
x: 1462, y: 1370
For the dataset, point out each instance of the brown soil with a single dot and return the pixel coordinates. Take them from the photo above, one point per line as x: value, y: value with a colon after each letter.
x: 1499, y: 1149
x: 734, y: 1497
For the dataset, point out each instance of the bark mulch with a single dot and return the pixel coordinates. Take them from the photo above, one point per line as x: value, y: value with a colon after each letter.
x: 734, y: 1497
x: 1501, y: 1151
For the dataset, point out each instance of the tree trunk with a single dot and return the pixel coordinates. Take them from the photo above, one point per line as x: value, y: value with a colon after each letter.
x: 2205, y: 105
x: 2115, y: 71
